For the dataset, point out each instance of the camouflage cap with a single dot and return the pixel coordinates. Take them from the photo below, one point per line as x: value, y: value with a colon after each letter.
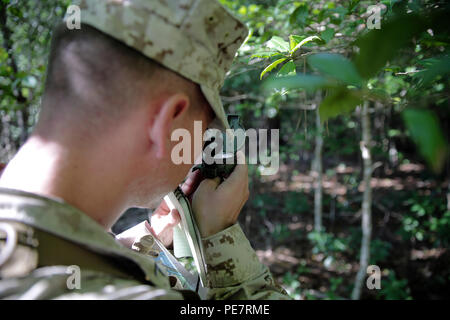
x: 197, y: 39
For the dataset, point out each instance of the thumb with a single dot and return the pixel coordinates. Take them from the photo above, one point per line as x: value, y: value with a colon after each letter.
x: 209, y: 184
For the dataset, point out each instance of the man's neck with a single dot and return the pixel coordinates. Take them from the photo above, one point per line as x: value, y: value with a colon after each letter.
x: 48, y: 169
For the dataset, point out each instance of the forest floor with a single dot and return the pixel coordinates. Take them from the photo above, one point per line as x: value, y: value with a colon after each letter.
x: 279, y: 217
x: 279, y: 221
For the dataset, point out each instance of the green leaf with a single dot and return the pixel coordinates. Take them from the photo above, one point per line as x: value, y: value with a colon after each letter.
x: 287, y: 69
x: 25, y: 92
x: 336, y: 66
x: 278, y: 44
x: 15, y: 12
x: 425, y: 131
x: 265, y: 54
x: 327, y: 35
x: 271, y: 66
x: 352, y: 5
x: 339, y: 101
x: 377, y: 47
x: 435, y: 68
x: 299, y: 15
x: 305, y: 41
x: 301, y: 81
x: 242, y: 10
x: 293, y: 40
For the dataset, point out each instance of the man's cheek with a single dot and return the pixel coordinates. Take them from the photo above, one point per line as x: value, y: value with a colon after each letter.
x: 180, y: 173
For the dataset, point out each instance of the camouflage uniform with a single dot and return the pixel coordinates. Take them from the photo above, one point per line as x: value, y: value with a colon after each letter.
x: 42, y: 239
x: 48, y: 236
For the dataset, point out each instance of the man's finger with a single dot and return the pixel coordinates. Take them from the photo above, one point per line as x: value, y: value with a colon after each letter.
x: 191, y: 183
x: 209, y: 185
x: 149, y: 227
x: 162, y: 210
x: 238, y: 179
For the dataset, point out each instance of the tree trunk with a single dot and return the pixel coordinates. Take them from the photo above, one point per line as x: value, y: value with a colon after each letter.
x: 317, y: 168
x: 366, y: 203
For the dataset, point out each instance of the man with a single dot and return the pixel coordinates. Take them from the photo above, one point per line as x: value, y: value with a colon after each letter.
x: 115, y: 91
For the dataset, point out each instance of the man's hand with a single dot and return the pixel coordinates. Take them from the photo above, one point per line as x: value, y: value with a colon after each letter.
x: 217, y: 205
x: 162, y: 222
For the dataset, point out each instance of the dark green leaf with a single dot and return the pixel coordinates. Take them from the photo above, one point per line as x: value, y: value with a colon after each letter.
x: 425, y: 131
x: 435, y: 68
x: 327, y: 35
x: 377, y: 47
x: 287, y: 69
x: 339, y: 101
x: 352, y: 5
x: 299, y: 16
x: 15, y: 11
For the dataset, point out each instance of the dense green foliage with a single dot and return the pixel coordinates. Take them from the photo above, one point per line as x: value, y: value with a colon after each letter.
x: 402, y: 69
x: 295, y: 50
x: 25, y: 42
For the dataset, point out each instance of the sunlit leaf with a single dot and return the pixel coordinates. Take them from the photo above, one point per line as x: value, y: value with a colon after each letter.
x: 305, y: 41
x: 271, y: 66
x: 265, y: 54
x: 278, y: 44
x: 294, y: 40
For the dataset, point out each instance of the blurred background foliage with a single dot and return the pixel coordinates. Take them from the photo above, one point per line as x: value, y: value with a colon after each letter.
x: 314, y: 70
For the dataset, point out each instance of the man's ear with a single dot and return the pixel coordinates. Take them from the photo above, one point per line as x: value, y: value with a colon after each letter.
x: 169, y: 111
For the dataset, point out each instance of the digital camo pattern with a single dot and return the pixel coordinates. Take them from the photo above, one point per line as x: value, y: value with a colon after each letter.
x: 62, y: 220
x: 234, y: 267
x: 198, y: 39
x: 236, y: 272
x: 47, y: 283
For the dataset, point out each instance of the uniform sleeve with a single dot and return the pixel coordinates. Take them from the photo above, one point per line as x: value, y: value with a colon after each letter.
x: 234, y: 270
x: 56, y: 283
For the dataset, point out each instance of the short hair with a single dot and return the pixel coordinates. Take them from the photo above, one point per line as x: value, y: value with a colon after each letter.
x: 92, y: 75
